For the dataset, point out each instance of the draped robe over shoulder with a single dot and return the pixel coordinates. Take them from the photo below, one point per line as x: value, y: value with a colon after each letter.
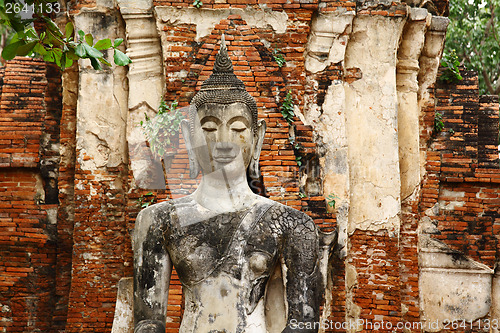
x: 224, y: 262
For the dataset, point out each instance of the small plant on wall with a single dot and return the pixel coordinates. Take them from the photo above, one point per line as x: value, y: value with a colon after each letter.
x: 451, y: 73
x: 146, y: 200
x: 331, y: 200
x: 197, y: 3
x: 438, y: 122
x: 279, y: 58
x: 287, y: 110
x: 161, y: 130
x: 287, y: 107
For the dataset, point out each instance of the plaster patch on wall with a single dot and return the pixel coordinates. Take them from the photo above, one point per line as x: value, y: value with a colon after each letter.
x: 371, y: 122
x: 329, y: 125
x: 447, y: 202
x: 206, y: 19
x: 328, y: 40
x: 100, y: 122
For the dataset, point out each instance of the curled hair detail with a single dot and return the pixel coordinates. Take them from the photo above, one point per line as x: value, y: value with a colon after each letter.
x: 224, y: 87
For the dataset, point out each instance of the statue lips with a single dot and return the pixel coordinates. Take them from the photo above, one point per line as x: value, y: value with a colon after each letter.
x: 224, y: 159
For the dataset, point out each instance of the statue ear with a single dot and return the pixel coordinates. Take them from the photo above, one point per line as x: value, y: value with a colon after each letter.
x: 194, y: 167
x: 253, y: 168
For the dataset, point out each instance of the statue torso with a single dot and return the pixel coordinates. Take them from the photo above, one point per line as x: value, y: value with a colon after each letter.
x: 224, y: 261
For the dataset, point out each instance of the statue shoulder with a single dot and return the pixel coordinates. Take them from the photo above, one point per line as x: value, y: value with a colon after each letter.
x: 287, y: 218
x: 159, y: 214
x: 155, y: 212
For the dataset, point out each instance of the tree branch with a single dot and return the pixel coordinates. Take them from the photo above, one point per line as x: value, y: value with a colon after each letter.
x: 492, y: 20
x: 487, y: 81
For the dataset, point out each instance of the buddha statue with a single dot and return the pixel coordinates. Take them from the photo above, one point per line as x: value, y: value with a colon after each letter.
x: 224, y: 241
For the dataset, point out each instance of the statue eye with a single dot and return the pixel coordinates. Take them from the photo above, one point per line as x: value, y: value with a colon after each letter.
x: 209, y: 127
x: 238, y: 126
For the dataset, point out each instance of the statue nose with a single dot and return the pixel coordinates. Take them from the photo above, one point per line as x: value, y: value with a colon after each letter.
x: 223, y: 146
x: 223, y: 136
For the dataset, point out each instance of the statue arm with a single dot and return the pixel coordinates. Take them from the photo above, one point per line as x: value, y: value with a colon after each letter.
x: 152, y: 269
x: 303, y: 280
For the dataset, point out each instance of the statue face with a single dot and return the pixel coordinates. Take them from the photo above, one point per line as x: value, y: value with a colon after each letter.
x: 223, y: 137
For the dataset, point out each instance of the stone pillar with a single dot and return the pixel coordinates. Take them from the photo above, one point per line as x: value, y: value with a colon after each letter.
x: 409, y: 52
x: 146, y: 83
x: 408, y: 109
x: 372, y: 276
x: 327, y: 43
x: 431, y: 55
x: 101, y: 241
x: 429, y: 61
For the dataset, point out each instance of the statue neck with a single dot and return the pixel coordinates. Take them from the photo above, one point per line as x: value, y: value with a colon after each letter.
x: 223, y: 193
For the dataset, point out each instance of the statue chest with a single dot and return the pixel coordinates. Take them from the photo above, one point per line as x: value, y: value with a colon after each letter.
x: 239, y: 244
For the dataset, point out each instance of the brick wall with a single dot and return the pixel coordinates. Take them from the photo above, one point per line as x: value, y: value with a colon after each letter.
x: 463, y: 169
x: 29, y: 120
x: 40, y: 186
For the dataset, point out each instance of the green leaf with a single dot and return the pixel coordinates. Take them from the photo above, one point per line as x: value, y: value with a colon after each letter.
x: 49, y: 56
x: 120, y: 58
x: 17, y: 37
x: 92, y: 52
x: 52, y: 27
x: 103, y: 44
x: 63, y: 61
x: 58, y: 56
x: 69, y: 62
x: 31, y: 33
x: 69, y: 29
x: 95, y: 64
x: 80, y: 51
x: 10, y: 51
x: 81, y: 34
x: 40, y: 49
x: 71, y: 55
x: 26, y: 49
x: 89, y: 39
x: 117, y: 42
x: 104, y: 61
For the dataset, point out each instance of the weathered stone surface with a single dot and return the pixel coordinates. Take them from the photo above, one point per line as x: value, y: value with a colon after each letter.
x: 453, y: 288
x: 206, y: 19
x: 146, y: 80
x: 101, y: 121
x: 371, y: 122
x: 327, y: 40
x: 123, y: 321
x: 431, y: 54
x: 495, y: 300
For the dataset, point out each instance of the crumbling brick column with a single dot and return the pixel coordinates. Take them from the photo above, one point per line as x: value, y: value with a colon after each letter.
x: 101, y: 242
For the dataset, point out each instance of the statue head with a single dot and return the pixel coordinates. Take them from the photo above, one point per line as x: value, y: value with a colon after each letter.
x: 223, y: 127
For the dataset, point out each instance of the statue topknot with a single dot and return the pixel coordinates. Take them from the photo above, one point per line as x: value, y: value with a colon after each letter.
x: 224, y: 87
